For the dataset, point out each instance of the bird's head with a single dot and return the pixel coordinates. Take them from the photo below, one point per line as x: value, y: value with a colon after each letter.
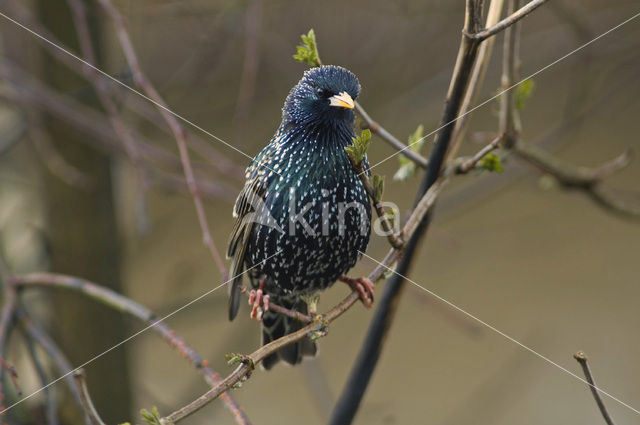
x: 324, y: 96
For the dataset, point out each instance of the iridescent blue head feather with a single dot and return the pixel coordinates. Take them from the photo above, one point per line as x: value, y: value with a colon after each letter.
x: 325, y: 95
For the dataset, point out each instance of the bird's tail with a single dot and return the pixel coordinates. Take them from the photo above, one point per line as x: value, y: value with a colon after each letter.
x: 276, y: 325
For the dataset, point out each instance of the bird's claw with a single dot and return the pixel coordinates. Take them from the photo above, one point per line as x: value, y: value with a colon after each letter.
x: 259, y: 302
x: 363, y: 286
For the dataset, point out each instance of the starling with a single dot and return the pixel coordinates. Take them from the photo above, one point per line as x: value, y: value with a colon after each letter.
x: 303, y: 216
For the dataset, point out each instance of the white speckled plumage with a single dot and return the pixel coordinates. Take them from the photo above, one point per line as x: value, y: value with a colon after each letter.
x: 305, y: 165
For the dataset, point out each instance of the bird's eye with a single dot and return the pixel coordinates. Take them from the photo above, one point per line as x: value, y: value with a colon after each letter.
x: 323, y: 93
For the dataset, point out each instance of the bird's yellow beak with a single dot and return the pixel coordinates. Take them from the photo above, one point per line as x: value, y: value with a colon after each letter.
x: 342, y: 100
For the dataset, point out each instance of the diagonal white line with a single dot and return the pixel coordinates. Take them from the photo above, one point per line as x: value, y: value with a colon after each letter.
x: 128, y: 87
x: 499, y: 332
x: 511, y: 87
x: 132, y: 336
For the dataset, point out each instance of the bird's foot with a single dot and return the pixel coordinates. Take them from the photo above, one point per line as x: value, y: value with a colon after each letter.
x: 362, y: 286
x: 259, y: 302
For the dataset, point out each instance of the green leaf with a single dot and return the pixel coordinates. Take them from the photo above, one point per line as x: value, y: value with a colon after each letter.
x: 358, y: 149
x: 523, y: 93
x: 407, y: 167
x: 378, y: 187
x: 307, y: 51
x: 152, y: 418
x: 365, y: 136
x: 491, y: 162
x: 416, y: 140
x: 233, y: 359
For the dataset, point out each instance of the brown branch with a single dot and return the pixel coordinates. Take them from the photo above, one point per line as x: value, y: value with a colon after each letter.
x: 369, y: 353
x: 176, y: 183
x: 127, y: 306
x: 396, y: 241
x: 34, y: 333
x: 508, y: 127
x: 50, y: 405
x: 581, y: 357
x: 588, y: 179
x: 380, y: 131
x: 605, y: 198
x: 79, y: 15
x: 467, y: 165
x: 27, y: 90
x: 178, y: 132
x: 477, y: 78
x: 566, y: 173
x: 136, y: 103
x: 508, y: 21
x: 249, y: 362
x: 85, y: 397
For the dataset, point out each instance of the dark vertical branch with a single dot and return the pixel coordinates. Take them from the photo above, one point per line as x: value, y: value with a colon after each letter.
x: 353, y: 392
x: 508, y: 127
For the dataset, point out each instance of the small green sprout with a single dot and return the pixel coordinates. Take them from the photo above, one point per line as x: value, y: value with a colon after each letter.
x: 408, y: 167
x: 358, y: 149
x: 307, y: 51
x: 491, y: 162
x: 152, y: 418
x: 523, y: 93
x: 378, y: 187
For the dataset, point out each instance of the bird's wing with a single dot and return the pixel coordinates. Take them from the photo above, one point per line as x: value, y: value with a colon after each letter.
x: 252, y: 195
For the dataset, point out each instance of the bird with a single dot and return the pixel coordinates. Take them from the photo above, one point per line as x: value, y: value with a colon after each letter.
x: 303, y: 217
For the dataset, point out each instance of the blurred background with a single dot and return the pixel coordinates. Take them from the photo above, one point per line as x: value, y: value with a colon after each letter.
x: 545, y: 265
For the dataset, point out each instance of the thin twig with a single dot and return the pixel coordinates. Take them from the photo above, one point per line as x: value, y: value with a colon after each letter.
x: 369, y: 353
x: 395, y: 240
x: 178, y: 131
x: 470, y: 163
x: 79, y: 15
x: 587, y: 179
x: 50, y: 405
x: 249, y: 362
x: 508, y: 128
x: 87, y: 403
x: 380, y: 131
x: 581, y: 357
x: 477, y: 78
x: 127, y: 306
x: 567, y: 174
x: 27, y: 90
x: 53, y: 351
x: 508, y: 21
x: 137, y: 104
